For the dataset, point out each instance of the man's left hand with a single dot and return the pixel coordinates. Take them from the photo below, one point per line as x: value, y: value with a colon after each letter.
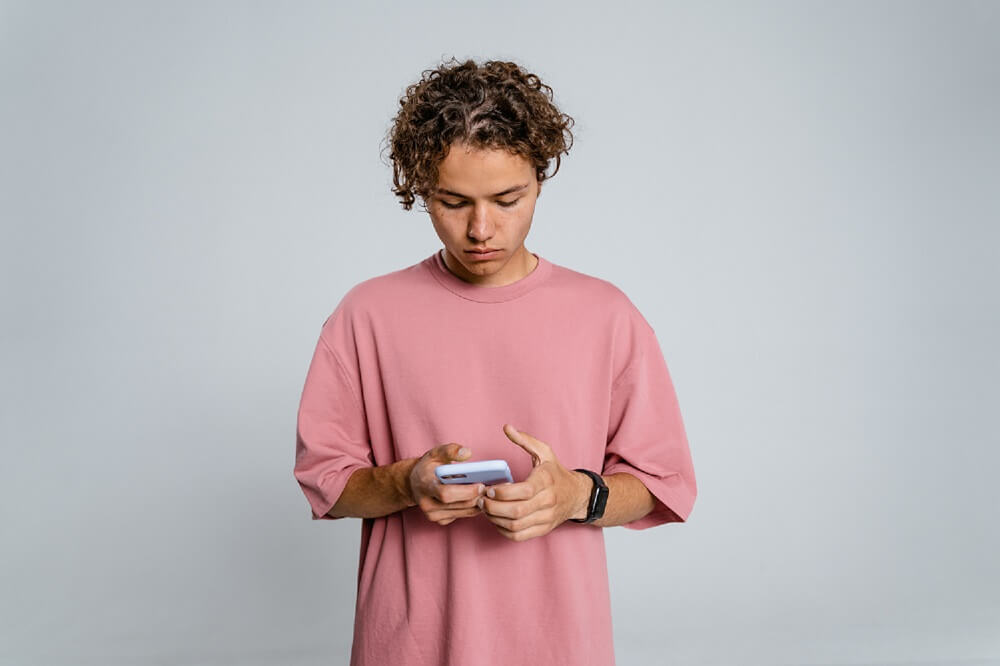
x: 549, y: 496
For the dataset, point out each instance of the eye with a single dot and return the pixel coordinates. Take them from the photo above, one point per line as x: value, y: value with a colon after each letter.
x: 504, y: 204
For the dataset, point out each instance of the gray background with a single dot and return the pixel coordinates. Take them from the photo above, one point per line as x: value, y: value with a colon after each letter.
x: 801, y: 198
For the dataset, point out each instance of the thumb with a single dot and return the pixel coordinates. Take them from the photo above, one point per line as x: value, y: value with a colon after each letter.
x: 451, y: 451
x: 539, y: 450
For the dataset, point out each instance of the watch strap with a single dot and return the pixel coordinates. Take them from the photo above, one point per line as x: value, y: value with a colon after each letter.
x: 598, y: 497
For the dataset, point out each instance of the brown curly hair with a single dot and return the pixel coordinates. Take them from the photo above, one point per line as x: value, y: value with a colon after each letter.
x: 496, y: 105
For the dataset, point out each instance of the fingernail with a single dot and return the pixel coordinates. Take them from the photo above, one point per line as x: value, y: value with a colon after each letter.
x: 481, y: 489
x: 490, y: 492
x: 462, y: 452
x: 479, y: 502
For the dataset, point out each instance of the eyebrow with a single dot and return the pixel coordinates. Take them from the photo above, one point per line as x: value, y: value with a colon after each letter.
x: 509, y: 190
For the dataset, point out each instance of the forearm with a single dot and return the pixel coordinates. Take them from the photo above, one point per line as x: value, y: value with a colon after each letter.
x: 372, y: 492
x: 628, y: 500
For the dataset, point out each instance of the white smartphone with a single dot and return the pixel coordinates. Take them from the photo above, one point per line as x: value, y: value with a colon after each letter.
x: 482, y: 471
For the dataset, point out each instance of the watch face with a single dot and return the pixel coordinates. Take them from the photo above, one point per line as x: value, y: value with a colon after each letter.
x: 598, y: 497
x: 600, y: 502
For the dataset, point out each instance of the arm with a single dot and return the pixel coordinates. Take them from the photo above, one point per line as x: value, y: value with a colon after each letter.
x: 628, y: 499
x: 372, y: 492
x: 552, y: 494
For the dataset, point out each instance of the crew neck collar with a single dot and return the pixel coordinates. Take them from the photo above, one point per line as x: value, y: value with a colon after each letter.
x: 485, y: 294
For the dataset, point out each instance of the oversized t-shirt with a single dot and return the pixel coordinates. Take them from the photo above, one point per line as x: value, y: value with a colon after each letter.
x: 418, y: 357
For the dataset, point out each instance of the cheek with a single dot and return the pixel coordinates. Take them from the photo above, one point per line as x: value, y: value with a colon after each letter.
x: 525, y: 216
x: 445, y: 223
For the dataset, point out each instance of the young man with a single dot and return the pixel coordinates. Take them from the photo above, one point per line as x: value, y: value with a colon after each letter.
x: 485, y: 350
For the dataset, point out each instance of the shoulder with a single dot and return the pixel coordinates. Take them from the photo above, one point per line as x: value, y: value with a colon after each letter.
x: 361, y: 303
x: 379, y: 292
x: 604, y: 308
x: 601, y: 295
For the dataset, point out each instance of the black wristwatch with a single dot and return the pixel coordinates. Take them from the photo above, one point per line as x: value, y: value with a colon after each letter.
x: 598, y: 498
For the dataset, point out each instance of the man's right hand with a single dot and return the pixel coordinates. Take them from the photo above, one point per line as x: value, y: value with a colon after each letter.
x: 443, y: 502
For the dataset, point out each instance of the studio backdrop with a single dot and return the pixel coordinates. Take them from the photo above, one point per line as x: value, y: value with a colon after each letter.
x: 800, y: 197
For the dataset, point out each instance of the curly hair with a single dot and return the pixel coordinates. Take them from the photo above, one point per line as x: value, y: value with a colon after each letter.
x: 496, y: 105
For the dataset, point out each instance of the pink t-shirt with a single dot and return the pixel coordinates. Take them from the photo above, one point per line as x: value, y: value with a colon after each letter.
x: 418, y: 357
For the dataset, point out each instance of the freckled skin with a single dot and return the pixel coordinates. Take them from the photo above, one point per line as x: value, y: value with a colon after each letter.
x: 481, y: 220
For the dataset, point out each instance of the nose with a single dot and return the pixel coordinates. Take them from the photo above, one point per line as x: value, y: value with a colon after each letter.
x: 480, y: 224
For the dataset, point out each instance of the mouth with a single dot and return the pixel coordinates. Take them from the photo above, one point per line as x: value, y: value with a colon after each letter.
x: 483, y: 254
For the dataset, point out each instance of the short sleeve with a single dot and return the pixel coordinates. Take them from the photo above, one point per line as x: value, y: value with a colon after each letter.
x: 646, y: 436
x: 332, y: 435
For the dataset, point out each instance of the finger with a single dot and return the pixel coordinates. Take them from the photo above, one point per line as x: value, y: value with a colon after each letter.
x: 448, y: 515
x: 455, y: 493
x: 462, y: 504
x: 524, y: 535
x: 453, y: 513
x: 524, y: 522
x: 538, y: 450
x: 458, y: 497
x: 517, y: 515
x: 521, y: 490
x: 514, y: 509
x: 446, y: 453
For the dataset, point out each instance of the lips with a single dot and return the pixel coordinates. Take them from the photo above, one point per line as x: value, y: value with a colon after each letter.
x: 479, y: 255
x: 483, y: 251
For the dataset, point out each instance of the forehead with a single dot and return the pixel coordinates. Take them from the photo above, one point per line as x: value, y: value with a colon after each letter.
x: 481, y: 171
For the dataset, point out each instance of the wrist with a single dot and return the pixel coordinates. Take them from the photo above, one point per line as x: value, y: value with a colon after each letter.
x: 584, y: 487
x: 403, y: 480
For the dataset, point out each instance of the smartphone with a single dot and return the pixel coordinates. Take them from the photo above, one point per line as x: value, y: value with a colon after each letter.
x: 482, y: 471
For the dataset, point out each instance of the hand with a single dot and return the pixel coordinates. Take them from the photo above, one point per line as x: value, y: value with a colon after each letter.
x: 549, y: 496
x: 443, y: 502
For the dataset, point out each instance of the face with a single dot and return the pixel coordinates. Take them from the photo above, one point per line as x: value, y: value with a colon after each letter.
x: 485, y: 199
